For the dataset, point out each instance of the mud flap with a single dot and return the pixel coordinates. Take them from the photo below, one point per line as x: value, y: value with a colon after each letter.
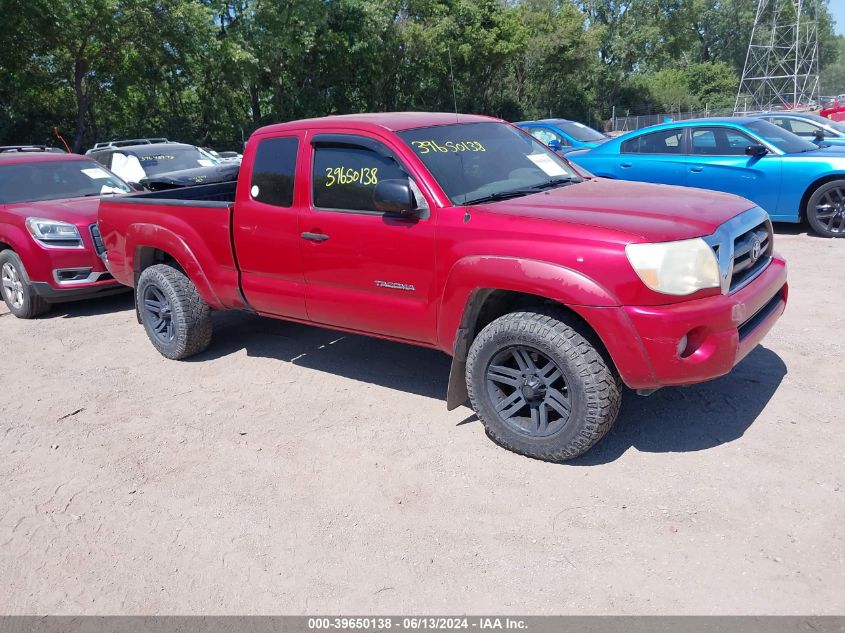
x: 457, y: 394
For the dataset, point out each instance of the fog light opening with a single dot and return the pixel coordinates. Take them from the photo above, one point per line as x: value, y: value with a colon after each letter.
x: 691, y: 342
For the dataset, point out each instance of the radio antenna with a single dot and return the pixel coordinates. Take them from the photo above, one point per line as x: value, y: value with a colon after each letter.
x: 452, y: 78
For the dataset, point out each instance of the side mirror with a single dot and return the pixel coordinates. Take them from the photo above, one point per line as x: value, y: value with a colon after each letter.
x: 555, y: 145
x: 756, y: 150
x: 818, y: 137
x: 394, y: 196
x: 137, y: 186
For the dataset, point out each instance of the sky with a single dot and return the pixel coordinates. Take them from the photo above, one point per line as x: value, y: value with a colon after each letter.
x: 837, y: 10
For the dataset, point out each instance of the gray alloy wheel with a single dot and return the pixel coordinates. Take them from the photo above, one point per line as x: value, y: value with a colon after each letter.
x: 540, y: 387
x: 16, y: 290
x: 12, y: 286
x: 826, y: 209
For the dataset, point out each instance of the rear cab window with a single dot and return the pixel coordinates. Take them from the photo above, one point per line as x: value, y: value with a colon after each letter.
x: 274, y: 171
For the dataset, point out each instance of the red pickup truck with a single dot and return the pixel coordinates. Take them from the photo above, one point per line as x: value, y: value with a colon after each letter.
x: 462, y: 233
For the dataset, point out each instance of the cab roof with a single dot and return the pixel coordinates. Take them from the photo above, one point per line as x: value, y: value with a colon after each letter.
x: 392, y: 121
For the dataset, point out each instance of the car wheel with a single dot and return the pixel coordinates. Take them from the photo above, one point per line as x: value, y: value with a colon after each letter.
x: 826, y: 209
x: 175, y: 316
x: 540, y: 388
x: 18, y: 294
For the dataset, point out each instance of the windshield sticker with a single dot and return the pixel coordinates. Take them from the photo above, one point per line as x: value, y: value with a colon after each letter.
x: 95, y: 173
x: 365, y: 176
x: 549, y: 167
x: 148, y: 159
x: 424, y: 147
x: 204, y: 162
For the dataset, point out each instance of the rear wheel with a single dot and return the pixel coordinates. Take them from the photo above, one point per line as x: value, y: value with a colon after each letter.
x: 826, y: 209
x: 540, y: 388
x: 18, y: 294
x: 177, y: 320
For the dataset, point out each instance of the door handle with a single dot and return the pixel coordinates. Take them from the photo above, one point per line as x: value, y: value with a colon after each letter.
x: 697, y: 168
x: 315, y: 237
x: 624, y: 165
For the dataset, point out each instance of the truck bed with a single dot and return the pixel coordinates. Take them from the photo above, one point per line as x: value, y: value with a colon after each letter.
x: 217, y: 195
x: 192, y: 225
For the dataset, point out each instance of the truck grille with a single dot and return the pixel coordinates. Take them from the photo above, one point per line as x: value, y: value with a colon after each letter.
x: 99, y: 246
x: 752, y: 253
x: 743, y: 247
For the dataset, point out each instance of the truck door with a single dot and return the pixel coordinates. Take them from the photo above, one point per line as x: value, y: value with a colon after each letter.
x: 265, y: 228
x: 365, y: 270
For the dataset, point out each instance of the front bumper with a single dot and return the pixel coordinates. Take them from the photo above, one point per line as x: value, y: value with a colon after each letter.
x: 68, y: 274
x: 693, y: 341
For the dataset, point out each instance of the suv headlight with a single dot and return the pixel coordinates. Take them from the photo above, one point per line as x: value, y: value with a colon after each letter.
x: 54, y: 232
x: 675, y: 268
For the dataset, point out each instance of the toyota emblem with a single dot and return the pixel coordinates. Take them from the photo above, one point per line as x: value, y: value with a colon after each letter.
x: 756, y: 250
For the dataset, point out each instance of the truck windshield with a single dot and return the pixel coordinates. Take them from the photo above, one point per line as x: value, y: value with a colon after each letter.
x: 31, y: 182
x: 163, y: 160
x: 483, y: 162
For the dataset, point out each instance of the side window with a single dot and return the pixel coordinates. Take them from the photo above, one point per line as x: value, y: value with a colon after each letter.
x: 662, y: 142
x: 345, y: 176
x: 719, y: 141
x: 274, y: 171
x: 805, y: 129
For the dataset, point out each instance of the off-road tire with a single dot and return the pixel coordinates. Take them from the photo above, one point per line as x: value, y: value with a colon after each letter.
x: 33, y: 305
x: 594, y: 387
x: 819, y: 226
x: 190, y: 314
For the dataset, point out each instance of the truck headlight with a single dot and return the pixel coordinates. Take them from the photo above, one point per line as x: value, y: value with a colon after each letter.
x: 54, y: 232
x: 675, y: 268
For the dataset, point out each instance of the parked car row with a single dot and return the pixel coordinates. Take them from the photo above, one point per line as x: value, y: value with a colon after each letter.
x: 791, y: 164
x: 157, y: 164
x: 549, y: 288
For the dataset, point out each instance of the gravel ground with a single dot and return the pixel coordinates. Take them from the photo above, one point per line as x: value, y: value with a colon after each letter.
x: 295, y: 470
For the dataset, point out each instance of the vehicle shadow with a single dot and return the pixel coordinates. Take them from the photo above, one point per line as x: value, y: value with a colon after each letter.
x: 789, y: 228
x: 694, y: 418
x: 679, y: 419
x: 92, y: 307
x: 421, y: 371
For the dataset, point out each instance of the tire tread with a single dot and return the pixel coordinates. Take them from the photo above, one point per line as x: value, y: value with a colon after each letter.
x: 602, y: 384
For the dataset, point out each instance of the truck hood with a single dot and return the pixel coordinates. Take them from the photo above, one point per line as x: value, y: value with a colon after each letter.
x: 225, y: 172
x: 653, y: 213
x: 79, y: 211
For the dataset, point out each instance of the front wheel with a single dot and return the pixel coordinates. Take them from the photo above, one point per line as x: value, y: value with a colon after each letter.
x: 826, y: 209
x: 18, y: 294
x: 540, y: 388
x: 177, y: 320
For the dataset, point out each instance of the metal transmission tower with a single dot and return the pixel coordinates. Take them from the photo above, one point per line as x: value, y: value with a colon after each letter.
x: 782, y: 63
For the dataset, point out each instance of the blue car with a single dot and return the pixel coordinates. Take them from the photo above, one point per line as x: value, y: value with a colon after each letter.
x: 786, y: 175
x: 561, y: 134
x: 812, y: 127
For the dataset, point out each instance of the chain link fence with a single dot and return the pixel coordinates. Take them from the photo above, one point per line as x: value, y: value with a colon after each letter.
x: 626, y: 121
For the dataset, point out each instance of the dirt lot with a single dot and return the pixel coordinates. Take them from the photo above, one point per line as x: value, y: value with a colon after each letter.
x: 297, y: 470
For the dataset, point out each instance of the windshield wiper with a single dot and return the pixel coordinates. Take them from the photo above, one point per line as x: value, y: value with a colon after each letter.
x: 554, y: 182
x: 524, y: 191
x: 501, y: 195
